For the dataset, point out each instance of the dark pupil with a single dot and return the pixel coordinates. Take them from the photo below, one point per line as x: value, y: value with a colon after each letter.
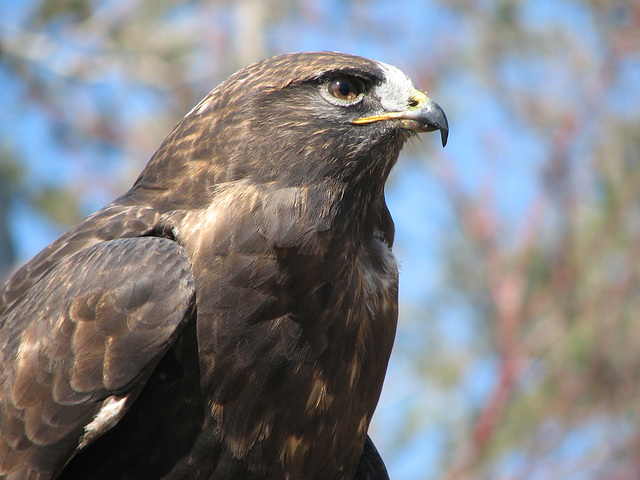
x: 344, y: 88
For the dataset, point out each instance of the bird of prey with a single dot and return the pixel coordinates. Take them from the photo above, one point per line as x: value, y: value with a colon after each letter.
x: 231, y: 316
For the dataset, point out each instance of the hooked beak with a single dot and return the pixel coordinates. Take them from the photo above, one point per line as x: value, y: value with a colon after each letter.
x: 423, y: 115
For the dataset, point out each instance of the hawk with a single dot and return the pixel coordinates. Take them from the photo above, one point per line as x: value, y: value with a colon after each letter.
x: 232, y: 315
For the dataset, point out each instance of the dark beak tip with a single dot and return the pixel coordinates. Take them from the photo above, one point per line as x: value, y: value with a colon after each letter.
x: 444, y: 135
x: 436, y: 118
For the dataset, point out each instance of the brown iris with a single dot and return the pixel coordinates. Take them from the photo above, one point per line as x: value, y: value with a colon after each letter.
x: 345, y: 88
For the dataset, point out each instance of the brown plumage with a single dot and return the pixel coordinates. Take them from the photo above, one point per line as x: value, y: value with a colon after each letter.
x: 232, y: 315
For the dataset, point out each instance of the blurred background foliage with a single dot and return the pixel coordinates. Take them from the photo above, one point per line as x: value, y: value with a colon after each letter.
x: 518, y: 353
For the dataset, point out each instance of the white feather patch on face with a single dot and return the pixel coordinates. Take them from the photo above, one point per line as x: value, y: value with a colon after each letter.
x: 395, y: 92
x: 111, y: 411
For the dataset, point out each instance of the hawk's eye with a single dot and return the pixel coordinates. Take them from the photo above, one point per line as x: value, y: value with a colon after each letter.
x: 346, y: 89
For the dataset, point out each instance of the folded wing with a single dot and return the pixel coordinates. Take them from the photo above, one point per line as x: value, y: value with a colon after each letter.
x: 79, y: 345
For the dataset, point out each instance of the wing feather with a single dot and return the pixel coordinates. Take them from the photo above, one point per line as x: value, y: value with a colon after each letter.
x: 92, y: 327
x: 371, y: 466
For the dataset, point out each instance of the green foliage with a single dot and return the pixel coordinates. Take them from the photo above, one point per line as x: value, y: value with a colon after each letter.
x: 70, y: 10
x: 61, y: 206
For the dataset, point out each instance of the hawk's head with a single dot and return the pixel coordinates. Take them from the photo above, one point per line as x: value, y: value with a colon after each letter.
x: 299, y: 118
